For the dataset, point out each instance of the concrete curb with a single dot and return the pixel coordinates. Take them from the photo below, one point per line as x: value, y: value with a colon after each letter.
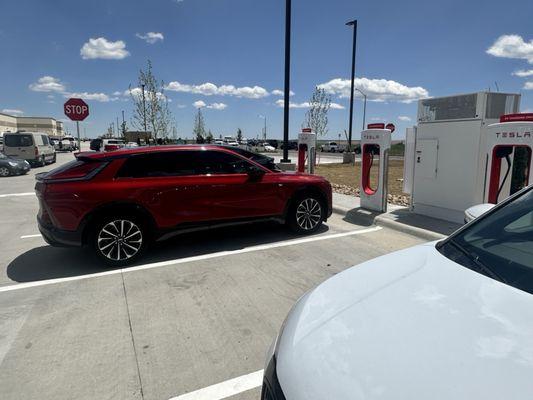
x: 386, y: 222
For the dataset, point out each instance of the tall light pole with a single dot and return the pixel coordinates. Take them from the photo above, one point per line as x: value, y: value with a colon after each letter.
x: 265, y: 128
x: 286, y: 95
x: 123, y: 124
x: 354, y: 24
x: 364, y: 106
x: 144, y: 109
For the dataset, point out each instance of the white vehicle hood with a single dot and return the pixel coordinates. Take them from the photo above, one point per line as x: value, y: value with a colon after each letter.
x: 409, y: 325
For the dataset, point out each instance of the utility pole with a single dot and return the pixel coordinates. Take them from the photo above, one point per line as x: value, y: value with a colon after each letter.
x: 118, y: 129
x: 123, y: 124
x: 144, y: 108
x: 287, y: 82
x: 354, y: 24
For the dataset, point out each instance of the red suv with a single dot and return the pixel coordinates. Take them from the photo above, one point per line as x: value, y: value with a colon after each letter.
x: 119, y: 202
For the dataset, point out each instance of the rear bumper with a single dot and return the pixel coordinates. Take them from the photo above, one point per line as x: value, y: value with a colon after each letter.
x: 58, y: 237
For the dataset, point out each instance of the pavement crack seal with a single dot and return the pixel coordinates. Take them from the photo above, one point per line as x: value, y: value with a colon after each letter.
x: 132, y: 337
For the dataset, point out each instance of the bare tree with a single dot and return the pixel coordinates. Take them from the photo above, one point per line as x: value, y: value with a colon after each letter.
x: 316, y: 117
x: 239, y: 135
x: 209, y: 137
x: 150, y: 105
x: 199, y: 127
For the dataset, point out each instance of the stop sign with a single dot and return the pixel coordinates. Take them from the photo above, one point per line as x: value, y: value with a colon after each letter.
x: 76, y: 109
x: 391, y: 127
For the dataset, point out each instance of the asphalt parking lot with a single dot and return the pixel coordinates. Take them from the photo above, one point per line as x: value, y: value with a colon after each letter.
x: 198, y: 310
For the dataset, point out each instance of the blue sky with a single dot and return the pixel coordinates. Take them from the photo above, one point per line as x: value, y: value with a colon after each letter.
x: 228, y: 55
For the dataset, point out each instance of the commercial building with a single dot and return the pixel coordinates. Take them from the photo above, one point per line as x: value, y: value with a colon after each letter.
x: 11, y: 123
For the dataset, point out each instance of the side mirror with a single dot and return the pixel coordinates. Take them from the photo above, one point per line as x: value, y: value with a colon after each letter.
x: 255, y: 174
x: 476, y: 211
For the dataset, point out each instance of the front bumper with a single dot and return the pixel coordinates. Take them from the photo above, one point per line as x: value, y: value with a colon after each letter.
x: 21, y: 168
x: 271, y: 388
x: 58, y: 237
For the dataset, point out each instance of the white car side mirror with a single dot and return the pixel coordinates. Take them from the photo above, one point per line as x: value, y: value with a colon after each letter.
x: 475, y: 211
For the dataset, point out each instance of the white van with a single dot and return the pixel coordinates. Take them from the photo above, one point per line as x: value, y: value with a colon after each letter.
x: 34, y: 147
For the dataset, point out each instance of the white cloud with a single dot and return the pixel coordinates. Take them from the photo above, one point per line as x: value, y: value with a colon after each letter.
x: 151, y: 37
x: 12, y: 111
x: 376, y: 89
x: 210, y: 89
x: 117, y: 93
x: 101, y: 97
x: 512, y: 46
x: 213, y: 106
x: 217, y: 106
x: 279, y: 92
x: 137, y: 91
x: 48, y: 84
x: 528, y: 85
x: 181, y: 106
x: 522, y: 73
x: 104, y: 49
x: 404, y: 118
x: 306, y: 104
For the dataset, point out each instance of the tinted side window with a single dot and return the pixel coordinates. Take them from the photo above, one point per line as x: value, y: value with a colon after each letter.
x: 45, y: 140
x: 217, y: 162
x: 178, y: 163
x: 18, y: 140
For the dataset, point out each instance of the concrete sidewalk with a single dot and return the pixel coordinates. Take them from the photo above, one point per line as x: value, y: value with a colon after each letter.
x: 397, y: 217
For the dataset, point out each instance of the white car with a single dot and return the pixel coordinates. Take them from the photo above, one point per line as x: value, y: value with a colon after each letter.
x: 233, y: 144
x: 439, y: 321
x: 268, y: 148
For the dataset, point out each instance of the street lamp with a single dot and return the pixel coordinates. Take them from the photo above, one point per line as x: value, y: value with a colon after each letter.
x: 354, y: 24
x: 364, y: 106
x: 286, y: 95
x: 265, y: 128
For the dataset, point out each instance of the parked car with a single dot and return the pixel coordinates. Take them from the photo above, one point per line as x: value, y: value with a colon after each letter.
x: 113, y: 144
x: 119, y: 202
x: 219, y: 142
x: 292, y: 145
x: 267, y: 148
x: 233, y: 143
x: 445, y: 320
x: 65, y: 144
x: 13, y: 166
x: 34, y: 147
x: 332, y: 147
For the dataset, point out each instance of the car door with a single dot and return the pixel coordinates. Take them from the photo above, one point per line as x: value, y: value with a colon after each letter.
x: 237, y: 194
x: 166, y: 183
x: 19, y: 145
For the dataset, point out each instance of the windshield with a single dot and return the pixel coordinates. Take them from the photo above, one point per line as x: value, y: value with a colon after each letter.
x: 499, y: 245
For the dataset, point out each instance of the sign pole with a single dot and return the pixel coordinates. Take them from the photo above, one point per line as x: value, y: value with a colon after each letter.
x: 78, y: 130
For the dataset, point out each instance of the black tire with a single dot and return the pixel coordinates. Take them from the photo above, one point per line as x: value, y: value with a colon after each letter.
x: 4, y: 171
x: 42, y: 161
x: 119, y: 240
x: 54, y: 159
x: 306, y: 213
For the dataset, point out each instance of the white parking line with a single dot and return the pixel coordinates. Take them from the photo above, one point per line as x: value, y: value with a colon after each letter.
x: 188, y: 259
x: 17, y: 194
x: 30, y: 236
x: 225, y: 389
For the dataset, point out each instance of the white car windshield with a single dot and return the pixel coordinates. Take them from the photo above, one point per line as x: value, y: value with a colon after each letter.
x: 499, y: 245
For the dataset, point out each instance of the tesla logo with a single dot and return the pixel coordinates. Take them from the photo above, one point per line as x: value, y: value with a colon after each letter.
x: 513, y: 135
x: 371, y: 137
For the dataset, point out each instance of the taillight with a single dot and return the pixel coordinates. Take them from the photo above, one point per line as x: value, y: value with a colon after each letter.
x: 74, y: 170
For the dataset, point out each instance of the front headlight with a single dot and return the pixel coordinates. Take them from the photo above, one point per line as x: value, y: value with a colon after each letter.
x: 13, y: 164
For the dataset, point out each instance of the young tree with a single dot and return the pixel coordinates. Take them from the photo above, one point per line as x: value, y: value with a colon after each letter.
x: 239, y: 135
x: 209, y: 137
x: 150, y: 106
x: 316, y: 117
x: 199, y: 127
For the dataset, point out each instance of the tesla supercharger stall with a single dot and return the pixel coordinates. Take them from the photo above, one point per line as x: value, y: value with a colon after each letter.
x: 375, y: 146
x: 508, y: 156
x: 306, y: 151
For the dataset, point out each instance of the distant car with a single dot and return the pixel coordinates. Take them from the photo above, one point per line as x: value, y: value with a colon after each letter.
x: 13, y: 166
x: 34, y: 147
x: 119, y: 202
x: 130, y: 145
x: 219, y: 142
x: 293, y: 145
x: 233, y: 144
x: 65, y: 144
x: 113, y: 144
x: 445, y: 320
x: 268, y: 148
x: 332, y: 147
